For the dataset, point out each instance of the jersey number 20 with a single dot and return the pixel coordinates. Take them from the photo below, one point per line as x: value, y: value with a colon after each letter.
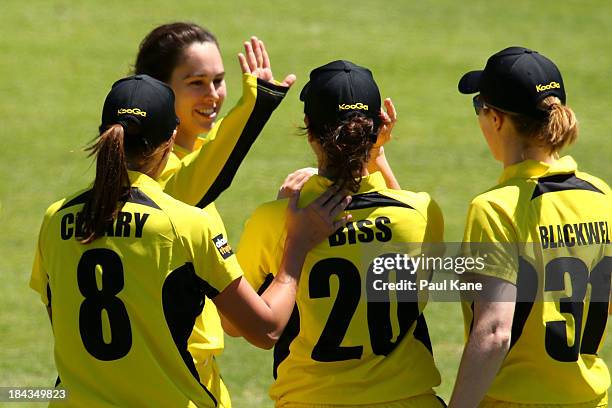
x: 328, y: 347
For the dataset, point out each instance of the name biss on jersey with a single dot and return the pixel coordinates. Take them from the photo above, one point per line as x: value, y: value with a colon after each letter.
x: 223, y: 246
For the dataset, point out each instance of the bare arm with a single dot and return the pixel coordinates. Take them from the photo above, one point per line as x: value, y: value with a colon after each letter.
x: 378, y: 160
x: 261, y: 320
x: 487, y: 345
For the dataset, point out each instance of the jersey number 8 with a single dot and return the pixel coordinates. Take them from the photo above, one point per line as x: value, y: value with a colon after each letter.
x: 104, y: 299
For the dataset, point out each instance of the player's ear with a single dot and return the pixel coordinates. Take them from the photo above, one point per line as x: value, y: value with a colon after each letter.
x: 497, y: 119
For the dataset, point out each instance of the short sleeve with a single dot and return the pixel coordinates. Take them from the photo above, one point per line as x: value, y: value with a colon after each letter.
x: 490, y: 234
x: 39, y: 280
x: 213, y: 258
x: 434, y: 231
x: 260, y: 247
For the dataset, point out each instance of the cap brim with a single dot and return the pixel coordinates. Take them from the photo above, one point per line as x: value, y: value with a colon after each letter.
x: 470, y: 82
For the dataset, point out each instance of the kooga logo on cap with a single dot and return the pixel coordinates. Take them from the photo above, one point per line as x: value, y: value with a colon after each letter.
x: 552, y: 85
x: 132, y: 111
x: 357, y: 105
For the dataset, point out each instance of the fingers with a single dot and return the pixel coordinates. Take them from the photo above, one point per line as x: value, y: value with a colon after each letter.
x: 250, y: 56
x: 255, y: 45
x: 390, y: 108
x: 324, y: 198
x: 289, y: 80
x: 293, y: 201
x: 335, y: 201
x: 342, y: 222
x: 244, y: 66
x: 266, y: 58
x: 341, y: 206
x: 295, y: 181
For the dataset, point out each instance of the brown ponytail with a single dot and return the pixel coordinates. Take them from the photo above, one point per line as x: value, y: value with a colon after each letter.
x: 346, y: 147
x: 111, y: 186
x: 559, y: 128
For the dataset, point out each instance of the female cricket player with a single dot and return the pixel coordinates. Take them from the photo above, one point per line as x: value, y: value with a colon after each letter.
x: 340, y: 348
x: 187, y: 58
x: 124, y: 268
x: 533, y: 338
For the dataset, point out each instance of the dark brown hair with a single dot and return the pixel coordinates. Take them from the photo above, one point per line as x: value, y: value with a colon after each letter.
x: 346, y: 146
x: 555, y: 130
x: 111, y: 189
x: 162, y: 49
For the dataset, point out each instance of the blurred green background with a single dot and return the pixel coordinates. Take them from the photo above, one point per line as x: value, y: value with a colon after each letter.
x: 58, y: 59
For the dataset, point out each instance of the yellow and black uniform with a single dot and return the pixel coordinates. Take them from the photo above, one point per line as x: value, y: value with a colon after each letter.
x: 124, y: 306
x: 199, y: 177
x: 338, y: 348
x: 558, y: 220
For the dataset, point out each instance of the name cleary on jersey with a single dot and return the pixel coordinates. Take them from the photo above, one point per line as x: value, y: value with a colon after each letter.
x: 126, y: 225
x: 569, y: 235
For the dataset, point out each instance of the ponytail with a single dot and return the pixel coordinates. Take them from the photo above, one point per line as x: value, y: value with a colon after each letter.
x: 561, y: 128
x: 557, y: 129
x: 346, y: 147
x: 111, y: 186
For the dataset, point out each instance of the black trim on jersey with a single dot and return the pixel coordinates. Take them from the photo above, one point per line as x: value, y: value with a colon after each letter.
x: 80, y: 199
x: 208, y: 290
x: 269, y: 96
x: 561, y: 182
x: 136, y: 196
x: 265, y: 284
x: 421, y: 332
x: 48, y: 294
x: 281, y: 349
x: 183, y: 301
x: 526, y: 288
x: 371, y: 200
x: 58, y: 381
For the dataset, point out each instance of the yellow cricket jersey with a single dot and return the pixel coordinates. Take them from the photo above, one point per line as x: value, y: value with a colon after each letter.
x: 558, y: 219
x: 124, y: 306
x: 199, y: 177
x: 338, y: 348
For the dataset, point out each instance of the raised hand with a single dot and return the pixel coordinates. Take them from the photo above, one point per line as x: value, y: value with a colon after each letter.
x: 388, y: 121
x: 256, y: 61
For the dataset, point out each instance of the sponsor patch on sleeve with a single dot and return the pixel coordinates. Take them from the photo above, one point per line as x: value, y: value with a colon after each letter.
x: 223, y: 246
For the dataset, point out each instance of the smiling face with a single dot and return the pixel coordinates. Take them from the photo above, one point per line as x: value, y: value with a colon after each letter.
x: 199, y: 87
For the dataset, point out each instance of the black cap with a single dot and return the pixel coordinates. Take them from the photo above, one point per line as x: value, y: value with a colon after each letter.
x: 516, y: 79
x: 144, y: 106
x: 339, y: 89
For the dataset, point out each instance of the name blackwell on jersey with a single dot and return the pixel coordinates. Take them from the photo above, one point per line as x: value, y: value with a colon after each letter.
x: 126, y: 225
x: 569, y: 235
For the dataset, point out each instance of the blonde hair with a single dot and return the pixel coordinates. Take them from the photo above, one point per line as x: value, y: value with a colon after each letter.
x: 557, y: 129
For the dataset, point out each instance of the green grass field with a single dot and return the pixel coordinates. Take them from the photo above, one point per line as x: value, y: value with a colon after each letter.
x: 58, y: 59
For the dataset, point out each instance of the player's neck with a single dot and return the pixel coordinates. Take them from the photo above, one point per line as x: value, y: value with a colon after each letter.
x: 186, y: 141
x: 322, y: 171
x: 517, y: 153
